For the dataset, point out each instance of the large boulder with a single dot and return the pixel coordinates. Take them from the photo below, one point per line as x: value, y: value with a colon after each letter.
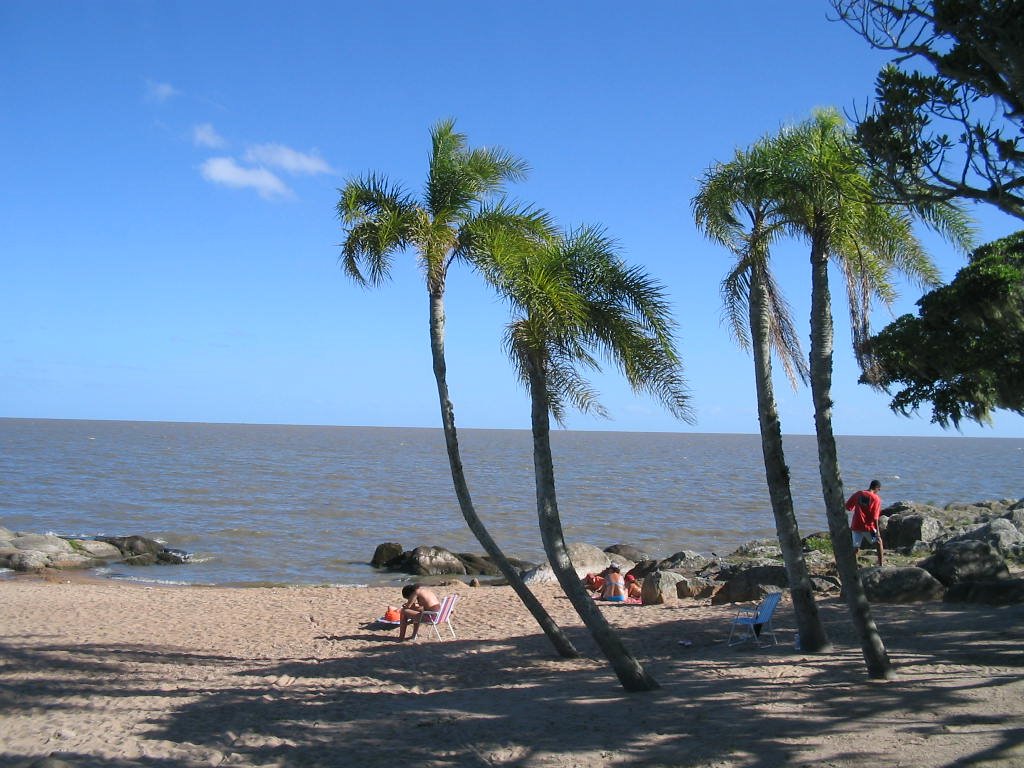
x: 387, y: 555
x: 900, y: 585
x: 433, y: 561
x: 961, y: 561
x: 542, y: 574
x: 100, y: 550
x: 695, y: 587
x: 28, y: 560
x: 660, y: 587
x: 627, y: 552
x: 686, y: 560
x: 586, y: 558
x: 134, y: 546
x: 743, y: 584
x: 41, y: 542
x: 476, y: 565
x: 993, y: 592
x: 904, y: 530
x: 1001, y: 533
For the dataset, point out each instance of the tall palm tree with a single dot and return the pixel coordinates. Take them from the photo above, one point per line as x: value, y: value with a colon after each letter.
x: 832, y: 202
x: 574, y: 301
x: 737, y: 206
x: 454, y: 217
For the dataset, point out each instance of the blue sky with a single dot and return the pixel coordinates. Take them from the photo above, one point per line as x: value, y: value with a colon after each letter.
x: 168, y: 231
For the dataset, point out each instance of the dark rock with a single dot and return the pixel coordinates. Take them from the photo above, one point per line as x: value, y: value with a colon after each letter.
x: 745, y: 584
x: 134, y: 545
x: 169, y: 556
x: 387, y: 555
x: 683, y: 561
x: 628, y: 551
x: 478, y: 566
x: 660, y: 587
x: 961, y: 561
x: 904, y: 530
x: 433, y: 561
x: 1001, y: 533
x: 826, y: 584
x: 695, y: 587
x: 147, y: 559
x: 641, y: 569
x: 990, y: 592
x: 900, y: 585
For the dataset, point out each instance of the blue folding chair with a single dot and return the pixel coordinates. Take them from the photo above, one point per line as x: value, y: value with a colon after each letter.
x: 756, y: 622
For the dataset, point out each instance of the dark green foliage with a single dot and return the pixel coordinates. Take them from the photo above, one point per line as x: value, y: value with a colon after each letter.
x: 949, y: 114
x: 964, y: 352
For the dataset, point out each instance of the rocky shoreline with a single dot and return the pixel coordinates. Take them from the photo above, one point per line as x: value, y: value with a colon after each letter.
x: 960, y: 552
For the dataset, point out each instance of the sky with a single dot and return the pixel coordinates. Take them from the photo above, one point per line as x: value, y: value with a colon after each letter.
x: 168, y: 228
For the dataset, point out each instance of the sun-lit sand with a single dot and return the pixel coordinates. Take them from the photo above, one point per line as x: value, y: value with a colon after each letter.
x: 116, y: 674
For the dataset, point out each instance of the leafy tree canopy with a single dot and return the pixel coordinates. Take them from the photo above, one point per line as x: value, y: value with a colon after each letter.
x: 949, y: 116
x: 964, y: 352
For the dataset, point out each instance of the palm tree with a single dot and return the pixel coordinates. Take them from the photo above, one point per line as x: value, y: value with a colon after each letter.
x: 737, y: 206
x: 572, y: 300
x: 453, y: 218
x: 841, y: 211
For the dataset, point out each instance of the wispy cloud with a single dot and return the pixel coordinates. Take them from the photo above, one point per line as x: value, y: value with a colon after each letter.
x: 205, y: 135
x: 227, y: 172
x: 160, y: 92
x: 287, y: 159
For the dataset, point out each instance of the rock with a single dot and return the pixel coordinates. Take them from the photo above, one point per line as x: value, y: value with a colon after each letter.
x: 100, y: 550
x: 961, y: 561
x: 641, y: 569
x: 1015, y: 516
x: 474, y: 582
x: 586, y: 558
x: 686, y: 560
x: 6, y: 534
x: 990, y: 592
x: 826, y: 584
x: 904, y: 530
x: 41, y: 542
x: 477, y: 566
x: 660, y: 587
x: 748, y: 583
x: 1000, y: 533
x: 764, y: 548
x: 134, y: 545
x: 542, y: 574
x: 169, y: 556
x: 627, y: 551
x: 146, y: 559
x: 386, y: 554
x: 694, y: 587
x: 29, y: 560
x: 70, y: 560
x: 900, y: 585
x: 433, y: 561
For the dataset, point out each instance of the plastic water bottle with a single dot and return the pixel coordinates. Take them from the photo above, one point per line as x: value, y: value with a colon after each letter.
x: 796, y: 642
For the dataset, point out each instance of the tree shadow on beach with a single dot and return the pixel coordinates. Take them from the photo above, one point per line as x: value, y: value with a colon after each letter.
x: 509, y: 701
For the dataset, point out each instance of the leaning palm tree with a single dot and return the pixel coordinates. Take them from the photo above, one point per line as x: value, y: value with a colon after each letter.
x: 574, y: 301
x: 843, y: 213
x: 454, y: 217
x: 737, y: 206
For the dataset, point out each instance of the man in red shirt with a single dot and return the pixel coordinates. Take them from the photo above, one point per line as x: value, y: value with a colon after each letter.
x: 867, y: 508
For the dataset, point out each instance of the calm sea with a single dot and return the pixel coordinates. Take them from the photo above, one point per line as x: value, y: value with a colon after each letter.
x: 308, y: 505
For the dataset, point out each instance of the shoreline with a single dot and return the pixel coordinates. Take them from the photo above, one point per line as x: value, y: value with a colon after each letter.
x: 103, y: 674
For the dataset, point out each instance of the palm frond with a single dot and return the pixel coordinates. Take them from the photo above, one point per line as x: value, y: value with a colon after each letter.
x: 379, y: 219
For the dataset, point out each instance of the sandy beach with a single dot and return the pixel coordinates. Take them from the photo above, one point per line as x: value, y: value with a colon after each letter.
x: 116, y: 674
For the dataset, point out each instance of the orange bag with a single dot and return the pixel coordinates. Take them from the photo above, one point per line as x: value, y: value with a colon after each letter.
x: 392, y: 614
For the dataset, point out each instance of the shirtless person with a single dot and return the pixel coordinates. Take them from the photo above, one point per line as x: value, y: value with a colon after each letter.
x: 417, y: 600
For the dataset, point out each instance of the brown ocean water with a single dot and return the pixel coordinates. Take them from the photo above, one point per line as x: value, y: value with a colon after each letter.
x: 308, y: 505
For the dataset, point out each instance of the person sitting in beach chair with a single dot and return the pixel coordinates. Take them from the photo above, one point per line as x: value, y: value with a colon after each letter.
x: 417, y: 600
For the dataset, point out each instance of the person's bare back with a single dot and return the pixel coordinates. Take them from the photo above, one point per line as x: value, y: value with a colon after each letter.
x: 417, y: 600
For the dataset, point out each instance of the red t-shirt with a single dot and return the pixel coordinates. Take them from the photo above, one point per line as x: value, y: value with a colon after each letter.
x: 867, y: 508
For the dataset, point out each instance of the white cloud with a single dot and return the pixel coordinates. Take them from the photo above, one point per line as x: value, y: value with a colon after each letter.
x: 225, y: 171
x: 160, y: 92
x: 206, y: 135
x: 287, y: 159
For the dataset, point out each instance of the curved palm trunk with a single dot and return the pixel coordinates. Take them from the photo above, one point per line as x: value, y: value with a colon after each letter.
x: 812, y: 633
x: 875, y: 655
x: 558, y: 639
x: 629, y: 671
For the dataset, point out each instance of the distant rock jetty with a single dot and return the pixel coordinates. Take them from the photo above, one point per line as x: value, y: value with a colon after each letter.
x: 962, y: 553
x: 22, y: 551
